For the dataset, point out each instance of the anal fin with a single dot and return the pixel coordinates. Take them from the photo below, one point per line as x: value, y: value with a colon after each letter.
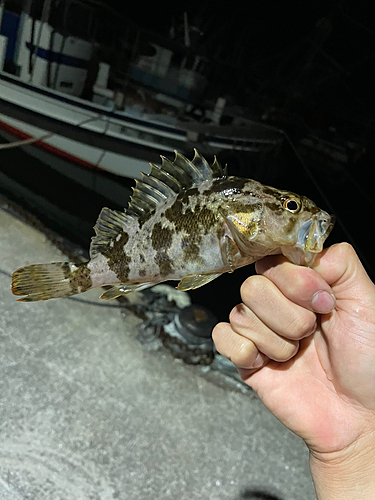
x: 196, y: 281
x: 118, y: 290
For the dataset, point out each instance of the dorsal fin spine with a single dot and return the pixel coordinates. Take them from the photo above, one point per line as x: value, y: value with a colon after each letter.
x: 134, y: 209
x: 205, y: 171
x: 217, y: 168
x: 150, y: 191
x: 188, y: 167
x: 143, y: 196
x: 161, y: 186
x: 183, y: 178
x: 165, y: 177
x: 140, y: 202
x: 169, y: 180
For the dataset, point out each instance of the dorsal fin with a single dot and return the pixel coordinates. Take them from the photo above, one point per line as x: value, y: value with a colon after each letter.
x: 152, y: 190
x: 173, y: 177
x: 109, y: 225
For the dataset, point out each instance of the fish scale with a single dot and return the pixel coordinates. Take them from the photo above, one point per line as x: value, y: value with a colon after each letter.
x: 186, y: 221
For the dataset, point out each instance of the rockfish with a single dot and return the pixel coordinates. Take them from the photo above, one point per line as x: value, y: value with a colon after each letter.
x: 186, y: 221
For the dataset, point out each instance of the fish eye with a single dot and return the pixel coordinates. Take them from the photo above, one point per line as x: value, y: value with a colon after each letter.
x: 293, y: 205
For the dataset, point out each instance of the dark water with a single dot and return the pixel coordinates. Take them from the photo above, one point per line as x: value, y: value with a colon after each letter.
x: 59, y: 203
x: 71, y: 210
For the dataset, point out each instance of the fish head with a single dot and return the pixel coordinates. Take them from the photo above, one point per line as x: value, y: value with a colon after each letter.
x: 264, y: 220
x: 297, y: 225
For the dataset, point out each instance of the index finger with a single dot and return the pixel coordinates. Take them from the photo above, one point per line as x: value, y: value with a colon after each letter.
x: 301, y: 285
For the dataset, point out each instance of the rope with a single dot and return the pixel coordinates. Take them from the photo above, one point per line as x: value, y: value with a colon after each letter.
x: 31, y: 140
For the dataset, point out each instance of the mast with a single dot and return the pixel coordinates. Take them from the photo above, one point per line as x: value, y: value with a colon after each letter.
x: 2, y: 3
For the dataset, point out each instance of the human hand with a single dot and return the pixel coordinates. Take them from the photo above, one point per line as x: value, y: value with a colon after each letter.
x: 316, y: 355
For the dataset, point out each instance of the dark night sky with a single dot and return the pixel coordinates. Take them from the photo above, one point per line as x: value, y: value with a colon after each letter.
x: 277, y: 15
x: 268, y: 28
x: 267, y: 24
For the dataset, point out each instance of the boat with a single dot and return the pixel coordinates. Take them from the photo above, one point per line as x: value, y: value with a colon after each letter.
x: 56, y: 99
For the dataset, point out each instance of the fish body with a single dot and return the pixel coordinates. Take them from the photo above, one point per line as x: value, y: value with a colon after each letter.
x: 186, y: 221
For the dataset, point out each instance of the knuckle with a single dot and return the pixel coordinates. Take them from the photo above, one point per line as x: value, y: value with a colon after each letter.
x: 237, y: 349
x: 244, y: 354
x: 346, y: 249
x: 301, y: 326
x: 218, y: 331
x: 237, y: 316
x: 253, y: 287
x: 302, y: 278
x: 286, y: 351
x: 301, y: 283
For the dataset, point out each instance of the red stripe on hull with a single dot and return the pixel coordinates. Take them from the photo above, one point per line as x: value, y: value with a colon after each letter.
x: 51, y: 149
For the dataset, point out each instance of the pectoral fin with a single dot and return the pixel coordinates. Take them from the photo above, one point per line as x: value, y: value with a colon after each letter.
x: 118, y: 290
x: 196, y: 281
x: 229, y: 251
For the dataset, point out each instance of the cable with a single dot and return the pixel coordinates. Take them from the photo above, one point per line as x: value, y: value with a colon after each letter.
x: 312, y: 178
x: 24, y: 142
x: 358, y: 23
x: 31, y: 140
x: 106, y: 127
x: 350, y: 177
x: 91, y: 302
x: 5, y: 273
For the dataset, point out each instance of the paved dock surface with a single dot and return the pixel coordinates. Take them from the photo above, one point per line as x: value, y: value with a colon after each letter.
x: 87, y: 414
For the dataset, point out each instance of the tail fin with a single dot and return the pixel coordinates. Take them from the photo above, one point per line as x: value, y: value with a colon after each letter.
x: 50, y: 281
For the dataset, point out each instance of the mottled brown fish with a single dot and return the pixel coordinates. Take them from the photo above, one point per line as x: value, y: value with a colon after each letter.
x: 186, y: 221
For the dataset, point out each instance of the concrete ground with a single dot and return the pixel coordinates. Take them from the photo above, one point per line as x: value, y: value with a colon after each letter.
x: 86, y: 413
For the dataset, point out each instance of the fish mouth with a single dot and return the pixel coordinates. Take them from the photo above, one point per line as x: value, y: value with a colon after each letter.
x: 314, y: 232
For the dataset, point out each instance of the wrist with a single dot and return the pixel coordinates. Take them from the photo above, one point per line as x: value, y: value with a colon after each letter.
x: 346, y: 474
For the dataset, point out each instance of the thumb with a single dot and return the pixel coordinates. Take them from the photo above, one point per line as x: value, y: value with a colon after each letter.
x: 341, y: 268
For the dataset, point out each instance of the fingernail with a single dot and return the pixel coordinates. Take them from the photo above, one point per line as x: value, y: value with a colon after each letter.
x: 259, y: 361
x: 323, y: 302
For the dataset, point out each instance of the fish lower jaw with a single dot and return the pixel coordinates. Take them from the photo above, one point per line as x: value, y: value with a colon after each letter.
x: 314, y: 232
x: 298, y: 255
x: 313, y: 247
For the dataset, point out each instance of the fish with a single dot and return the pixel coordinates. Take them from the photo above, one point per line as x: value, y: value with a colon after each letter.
x: 186, y: 221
